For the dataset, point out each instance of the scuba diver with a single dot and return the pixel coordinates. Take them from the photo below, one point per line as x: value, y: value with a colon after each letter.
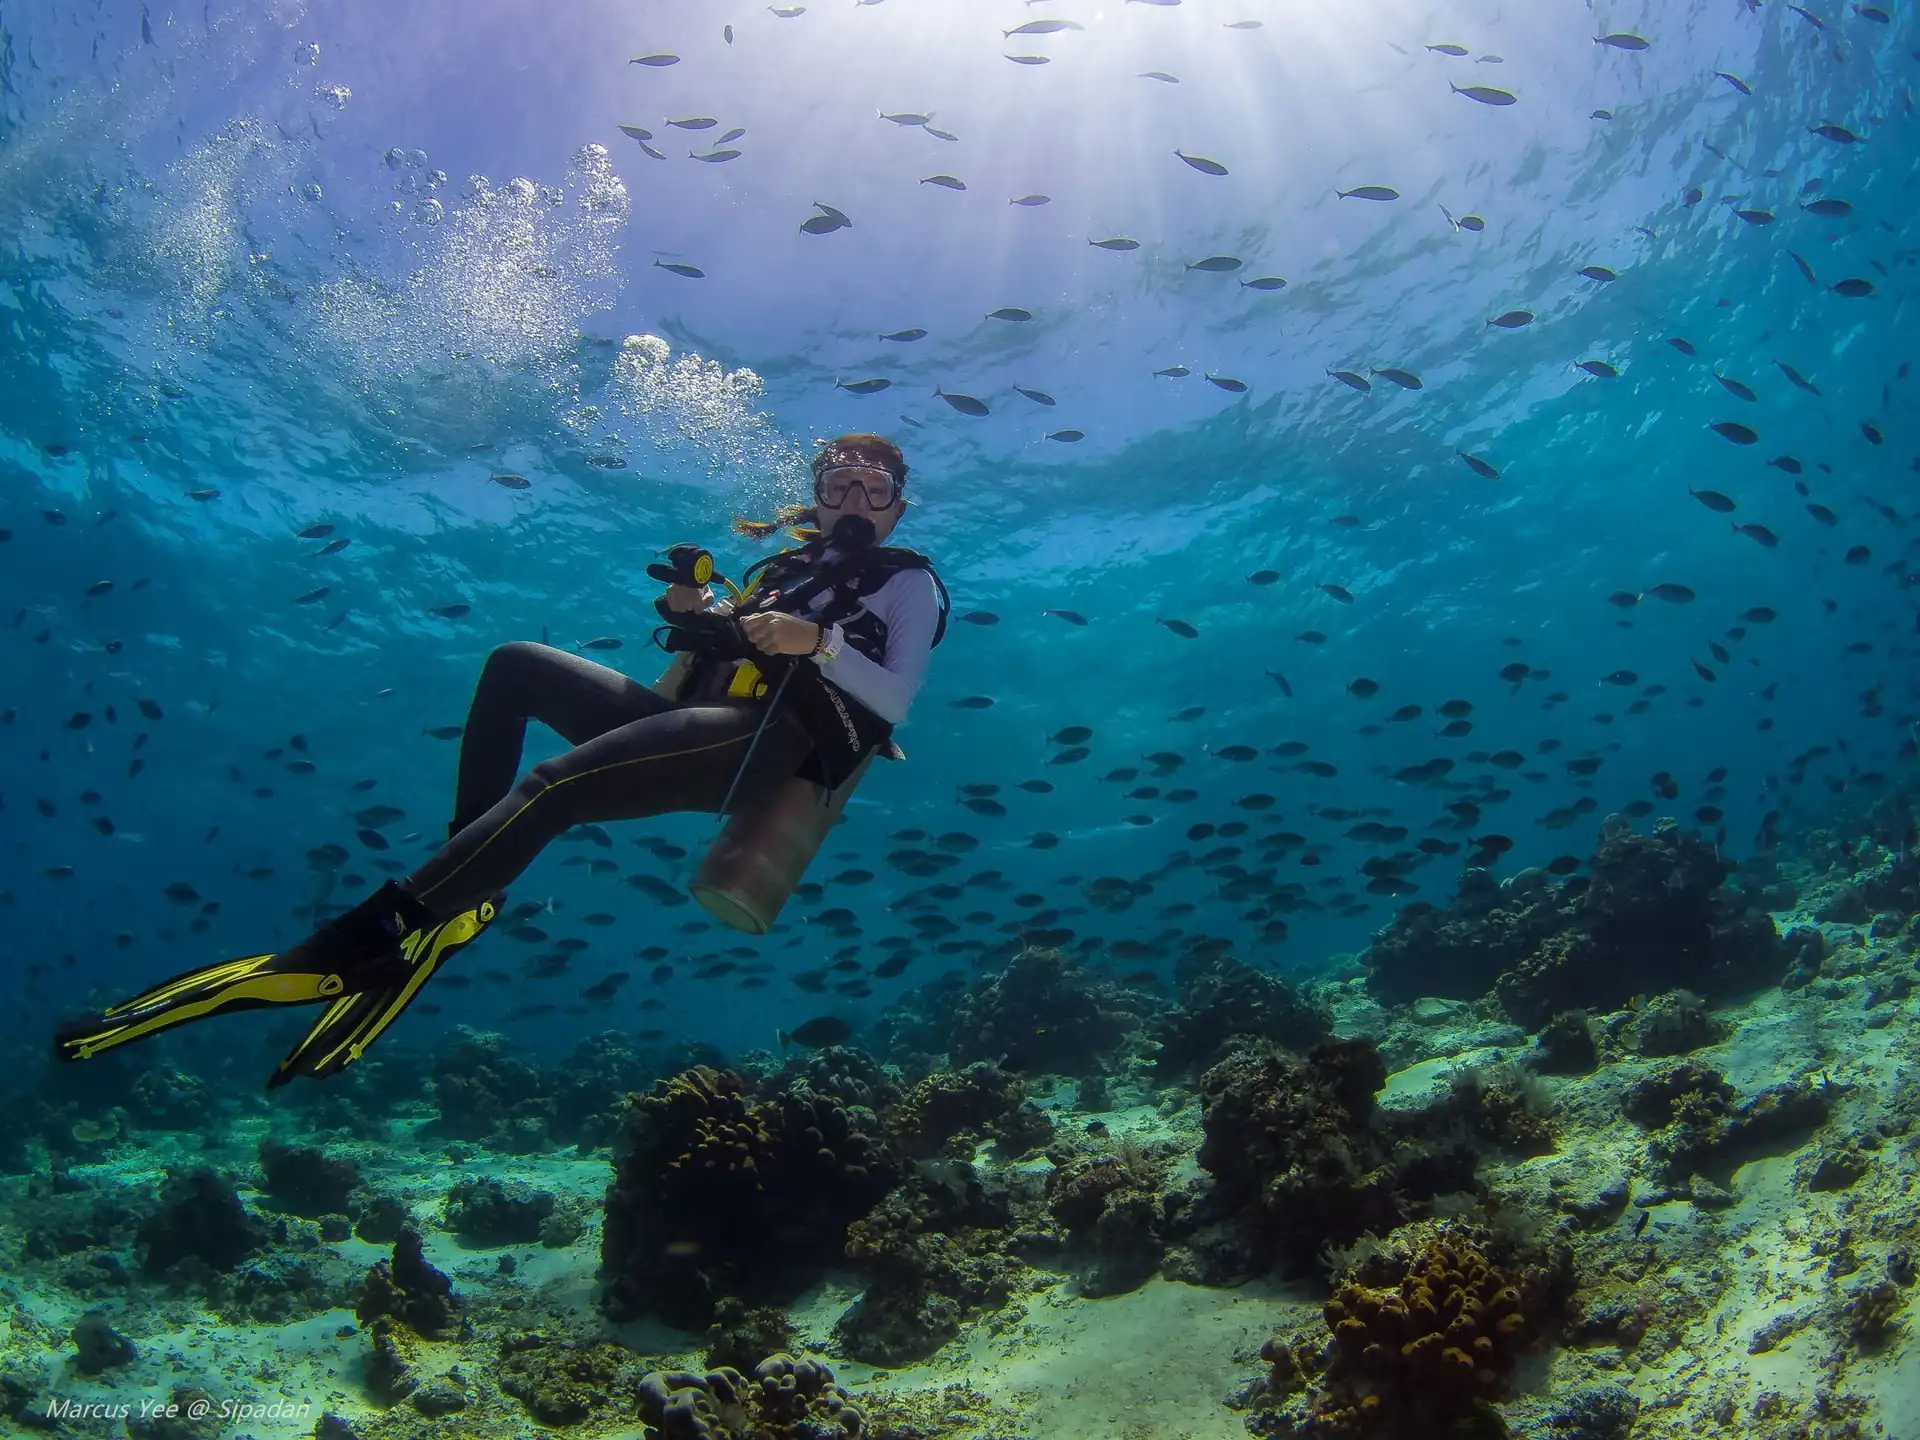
x: 776, y: 700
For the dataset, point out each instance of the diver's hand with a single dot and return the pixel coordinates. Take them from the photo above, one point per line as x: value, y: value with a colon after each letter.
x: 684, y: 598
x: 772, y: 633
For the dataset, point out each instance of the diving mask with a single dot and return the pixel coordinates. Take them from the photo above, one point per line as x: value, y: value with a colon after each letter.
x: 837, y: 484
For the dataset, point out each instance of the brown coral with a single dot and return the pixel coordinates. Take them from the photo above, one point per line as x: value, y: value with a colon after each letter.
x: 934, y: 1253
x: 717, y: 1192
x: 722, y: 1141
x: 1447, y: 1332
x: 787, y: 1399
x: 1298, y: 1164
x: 950, y: 1112
x: 1872, y: 1315
x: 1425, y: 1330
x: 1116, y: 1219
x: 740, y: 1332
x: 407, y: 1288
x: 1222, y: 999
x: 1655, y: 913
x: 561, y: 1382
x: 1702, y: 1125
x: 1045, y: 1012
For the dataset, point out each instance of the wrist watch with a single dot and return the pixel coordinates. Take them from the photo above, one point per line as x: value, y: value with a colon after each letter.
x: 827, y: 647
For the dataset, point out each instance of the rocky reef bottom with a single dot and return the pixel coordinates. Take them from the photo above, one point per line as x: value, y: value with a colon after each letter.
x: 1676, y: 1218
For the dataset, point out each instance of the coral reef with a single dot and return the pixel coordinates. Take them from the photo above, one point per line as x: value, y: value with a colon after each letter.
x: 62, y: 1216
x: 718, y: 1193
x: 189, y: 1413
x: 1671, y: 1024
x: 165, y: 1097
x: 1565, y: 1045
x: 1887, y: 877
x: 590, y: 1088
x: 22, y: 1402
x: 302, y: 1180
x: 1115, y: 1216
x: 362, y: 1099
x: 1872, y: 1315
x: 1599, y: 1412
x: 1837, y: 1167
x: 1703, y: 1130
x: 739, y: 1332
x: 438, y: 1398
x: 1458, y: 953
x: 488, y: 1212
x: 1655, y: 1099
x: 934, y: 1252
x: 950, y: 1112
x: 1045, y: 1013
x: 484, y: 1094
x: 401, y: 1300
x: 1223, y: 999
x: 98, y: 1346
x: 391, y: 1349
x: 1806, y: 951
x: 274, y: 1290
x: 912, y: 1032
x: 564, y: 1382
x: 787, y: 1399
x: 409, y: 1289
x: 378, y: 1218
x: 199, y: 1219
x: 850, y: 1076
x: 1298, y: 1164
x: 1654, y: 915
x: 1425, y: 1329
x: 1500, y: 1107
x: 1766, y: 883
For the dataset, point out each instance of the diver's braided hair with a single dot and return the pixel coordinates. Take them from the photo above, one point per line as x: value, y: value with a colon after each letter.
x: 803, y: 521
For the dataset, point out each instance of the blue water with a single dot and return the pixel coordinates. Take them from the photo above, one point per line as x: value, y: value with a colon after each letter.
x: 310, y: 261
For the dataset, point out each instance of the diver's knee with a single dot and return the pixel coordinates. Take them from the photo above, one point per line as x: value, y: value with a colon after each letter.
x: 512, y: 663
x: 539, y: 799
x: 542, y: 779
x: 515, y: 654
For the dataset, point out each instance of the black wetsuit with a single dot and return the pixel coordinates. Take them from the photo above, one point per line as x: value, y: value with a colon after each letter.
x: 635, y: 754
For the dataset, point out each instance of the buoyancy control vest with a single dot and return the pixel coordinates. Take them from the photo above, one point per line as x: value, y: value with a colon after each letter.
x: 842, y: 729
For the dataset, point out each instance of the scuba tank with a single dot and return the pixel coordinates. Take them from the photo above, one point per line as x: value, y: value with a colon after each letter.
x: 767, y: 843
x: 755, y: 862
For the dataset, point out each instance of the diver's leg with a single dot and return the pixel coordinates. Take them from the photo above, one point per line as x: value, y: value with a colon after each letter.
x: 523, y: 681
x: 682, y: 759
x: 370, y: 960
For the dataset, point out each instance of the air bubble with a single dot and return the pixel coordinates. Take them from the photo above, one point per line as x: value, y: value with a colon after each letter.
x: 429, y: 212
x: 312, y: 190
x: 606, y: 197
x: 335, y: 95
x: 645, y: 350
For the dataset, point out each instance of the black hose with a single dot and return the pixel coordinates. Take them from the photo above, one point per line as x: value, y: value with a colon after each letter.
x: 758, y: 730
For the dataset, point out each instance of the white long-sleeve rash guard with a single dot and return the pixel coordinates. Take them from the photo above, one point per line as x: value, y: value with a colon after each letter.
x: 909, y: 605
